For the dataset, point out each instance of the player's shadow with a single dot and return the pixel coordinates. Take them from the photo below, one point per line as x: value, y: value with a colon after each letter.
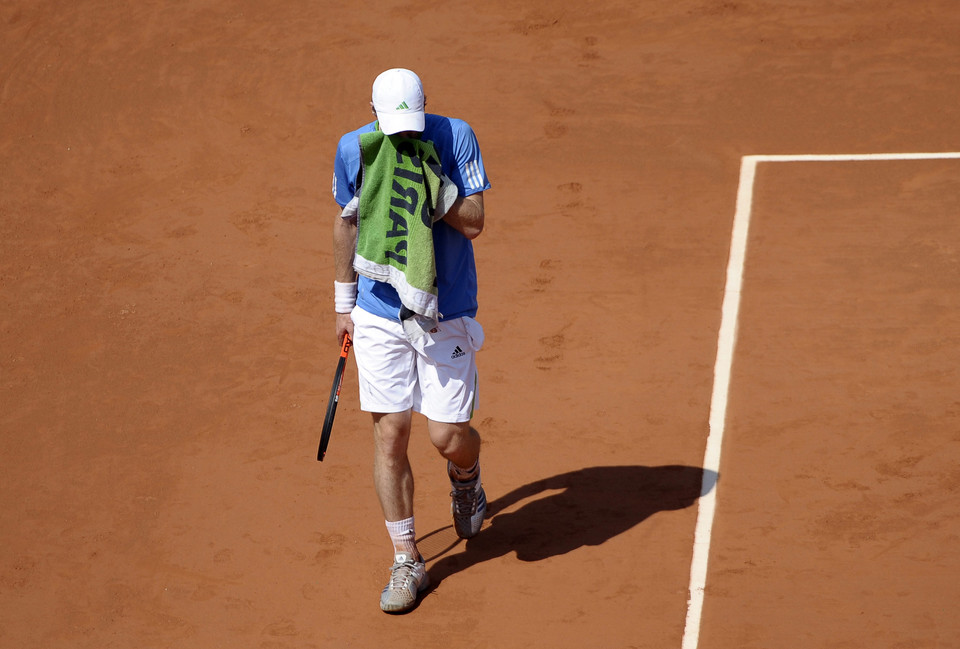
x: 580, y: 508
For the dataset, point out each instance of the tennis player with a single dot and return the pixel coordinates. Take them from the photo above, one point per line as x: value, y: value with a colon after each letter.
x: 434, y: 374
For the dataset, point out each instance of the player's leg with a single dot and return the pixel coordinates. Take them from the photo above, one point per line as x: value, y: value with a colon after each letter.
x: 393, y: 479
x: 386, y: 366
x: 447, y: 379
x: 392, y: 475
x: 459, y: 443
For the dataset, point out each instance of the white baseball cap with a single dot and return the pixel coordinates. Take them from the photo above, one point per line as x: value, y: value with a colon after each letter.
x: 398, y: 101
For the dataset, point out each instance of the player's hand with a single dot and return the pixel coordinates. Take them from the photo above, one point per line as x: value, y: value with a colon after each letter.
x: 344, y: 326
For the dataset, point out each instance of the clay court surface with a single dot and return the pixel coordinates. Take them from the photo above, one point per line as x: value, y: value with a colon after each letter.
x: 167, y: 347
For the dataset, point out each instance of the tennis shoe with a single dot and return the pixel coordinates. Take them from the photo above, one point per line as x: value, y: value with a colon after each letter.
x: 469, y: 506
x: 408, y: 578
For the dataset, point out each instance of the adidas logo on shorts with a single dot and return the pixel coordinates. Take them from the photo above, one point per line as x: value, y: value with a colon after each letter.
x: 457, y: 353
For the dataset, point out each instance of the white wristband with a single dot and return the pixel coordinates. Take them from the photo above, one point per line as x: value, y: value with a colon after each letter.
x: 344, y: 296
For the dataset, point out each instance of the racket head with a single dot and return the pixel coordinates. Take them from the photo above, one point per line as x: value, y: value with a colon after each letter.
x: 331, y: 413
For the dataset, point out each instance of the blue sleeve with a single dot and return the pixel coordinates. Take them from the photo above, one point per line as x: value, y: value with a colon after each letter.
x: 344, y: 177
x: 473, y: 175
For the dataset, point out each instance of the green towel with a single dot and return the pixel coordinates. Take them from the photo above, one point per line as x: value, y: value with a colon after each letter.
x: 399, y: 190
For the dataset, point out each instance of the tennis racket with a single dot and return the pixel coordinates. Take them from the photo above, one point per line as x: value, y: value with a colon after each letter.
x: 334, y: 398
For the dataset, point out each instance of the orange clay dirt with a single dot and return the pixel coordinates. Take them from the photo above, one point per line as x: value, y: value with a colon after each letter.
x: 167, y: 345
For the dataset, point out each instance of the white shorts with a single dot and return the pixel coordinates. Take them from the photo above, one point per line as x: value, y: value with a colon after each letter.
x: 436, y: 375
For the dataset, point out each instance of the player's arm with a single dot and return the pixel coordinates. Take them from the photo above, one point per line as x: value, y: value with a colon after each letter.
x: 344, y: 238
x: 344, y: 248
x: 466, y: 215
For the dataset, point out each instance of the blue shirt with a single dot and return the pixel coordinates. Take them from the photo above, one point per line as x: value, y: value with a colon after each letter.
x: 460, y: 158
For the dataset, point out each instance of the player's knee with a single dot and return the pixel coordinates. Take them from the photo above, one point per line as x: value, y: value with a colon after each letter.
x: 391, y: 433
x: 452, y: 438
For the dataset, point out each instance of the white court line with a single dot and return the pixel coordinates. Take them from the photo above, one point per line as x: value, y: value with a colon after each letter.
x: 726, y: 344
x: 854, y: 157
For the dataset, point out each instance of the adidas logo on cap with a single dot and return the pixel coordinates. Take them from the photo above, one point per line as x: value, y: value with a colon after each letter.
x: 402, y: 106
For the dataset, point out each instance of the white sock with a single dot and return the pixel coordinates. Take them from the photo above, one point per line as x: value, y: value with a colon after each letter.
x: 463, y: 475
x: 404, y: 537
